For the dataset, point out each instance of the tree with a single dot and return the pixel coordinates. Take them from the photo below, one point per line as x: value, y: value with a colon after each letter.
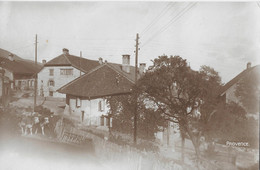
x: 248, y: 91
x: 178, y: 92
x: 122, y: 111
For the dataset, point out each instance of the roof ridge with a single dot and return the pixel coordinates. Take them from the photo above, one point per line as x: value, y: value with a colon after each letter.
x: 67, y: 59
x: 96, y: 68
x: 79, y: 68
x: 120, y: 72
x: 236, y: 79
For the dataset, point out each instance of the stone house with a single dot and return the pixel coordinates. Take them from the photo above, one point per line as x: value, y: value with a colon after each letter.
x: 60, y: 71
x: 86, y: 96
x: 227, y: 93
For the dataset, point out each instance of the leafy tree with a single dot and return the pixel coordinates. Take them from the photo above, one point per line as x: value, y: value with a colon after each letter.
x: 229, y: 123
x: 122, y: 110
x: 248, y: 91
x: 178, y: 92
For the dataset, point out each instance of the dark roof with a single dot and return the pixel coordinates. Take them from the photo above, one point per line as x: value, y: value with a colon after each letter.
x: 82, y: 64
x: 18, y: 65
x: 237, y: 78
x: 102, y: 81
x: 130, y: 75
x: 5, y: 54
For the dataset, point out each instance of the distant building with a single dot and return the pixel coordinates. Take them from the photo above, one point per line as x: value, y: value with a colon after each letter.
x: 60, y: 71
x: 227, y: 93
x: 21, y: 72
x: 86, y: 96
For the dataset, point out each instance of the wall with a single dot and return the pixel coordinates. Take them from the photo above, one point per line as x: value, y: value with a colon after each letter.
x: 92, y: 115
x: 230, y: 94
x: 59, y: 80
x: 26, y: 84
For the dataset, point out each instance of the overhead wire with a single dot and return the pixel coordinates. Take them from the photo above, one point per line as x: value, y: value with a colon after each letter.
x: 158, y: 17
x: 173, y: 20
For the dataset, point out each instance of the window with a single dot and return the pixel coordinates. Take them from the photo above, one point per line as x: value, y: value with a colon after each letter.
x: 66, y: 71
x: 78, y: 102
x: 101, y: 106
x: 50, y: 93
x: 102, y: 120
x: 51, y: 72
x: 108, y: 122
x: 51, y: 82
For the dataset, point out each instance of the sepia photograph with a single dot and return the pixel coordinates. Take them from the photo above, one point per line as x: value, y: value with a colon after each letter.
x: 129, y: 85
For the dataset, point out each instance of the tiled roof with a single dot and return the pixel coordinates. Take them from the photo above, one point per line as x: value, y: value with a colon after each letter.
x: 102, y: 81
x: 19, y: 65
x: 82, y: 64
x: 130, y: 75
x: 237, y: 78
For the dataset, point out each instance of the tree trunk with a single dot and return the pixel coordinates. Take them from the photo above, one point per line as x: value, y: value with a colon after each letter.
x: 195, y: 143
x: 182, y: 147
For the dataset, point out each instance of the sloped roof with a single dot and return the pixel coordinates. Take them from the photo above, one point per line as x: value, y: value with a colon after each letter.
x: 82, y: 64
x: 130, y: 75
x: 19, y: 65
x: 237, y: 78
x: 102, y: 81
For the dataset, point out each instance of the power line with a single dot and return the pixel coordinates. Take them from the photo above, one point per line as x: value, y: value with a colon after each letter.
x: 258, y: 3
x: 173, y: 20
x: 157, y: 18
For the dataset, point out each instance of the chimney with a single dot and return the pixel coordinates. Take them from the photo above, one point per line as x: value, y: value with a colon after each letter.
x: 11, y: 57
x: 65, y: 51
x: 43, y: 61
x: 248, y: 65
x: 142, y: 68
x: 126, y: 63
x: 100, y: 60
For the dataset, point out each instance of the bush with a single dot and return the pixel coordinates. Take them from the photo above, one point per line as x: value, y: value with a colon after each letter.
x: 147, y: 146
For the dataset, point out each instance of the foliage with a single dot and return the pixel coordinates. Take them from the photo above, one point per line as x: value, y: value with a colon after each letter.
x: 248, y: 91
x: 43, y: 111
x: 180, y: 92
x: 122, y: 110
x: 229, y: 123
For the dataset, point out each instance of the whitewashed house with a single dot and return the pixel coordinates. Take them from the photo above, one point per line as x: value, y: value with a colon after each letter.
x: 86, y: 96
x: 60, y: 71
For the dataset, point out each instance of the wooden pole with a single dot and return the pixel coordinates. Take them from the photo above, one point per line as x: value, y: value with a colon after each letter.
x: 35, y: 78
x: 136, y: 72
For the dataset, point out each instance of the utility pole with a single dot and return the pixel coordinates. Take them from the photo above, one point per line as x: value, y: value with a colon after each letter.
x: 136, y: 71
x: 80, y: 62
x: 35, y: 78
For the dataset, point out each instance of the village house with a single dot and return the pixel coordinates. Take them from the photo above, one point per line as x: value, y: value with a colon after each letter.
x: 227, y: 93
x: 20, y: 72
x: 86, y: 96
x: 60, y: 71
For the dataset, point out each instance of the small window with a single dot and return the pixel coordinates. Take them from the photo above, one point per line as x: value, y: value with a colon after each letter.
x: 66, y: 71
x: 101, y: 106
x: 51, y: 72
x: 51, y: 82
x: 50, y: 93
x: 78, y: 102
x: 102, y: 121
x: 108, y: 122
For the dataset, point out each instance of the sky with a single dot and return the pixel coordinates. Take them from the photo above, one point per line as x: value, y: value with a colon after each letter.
x: 222, y: 35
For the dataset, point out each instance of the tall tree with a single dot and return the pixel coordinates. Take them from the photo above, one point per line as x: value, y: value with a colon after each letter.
x: 178, y: 91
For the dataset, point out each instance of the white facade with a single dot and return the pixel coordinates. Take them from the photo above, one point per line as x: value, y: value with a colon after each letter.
x: 90, y: 112
x: 51, y: 78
